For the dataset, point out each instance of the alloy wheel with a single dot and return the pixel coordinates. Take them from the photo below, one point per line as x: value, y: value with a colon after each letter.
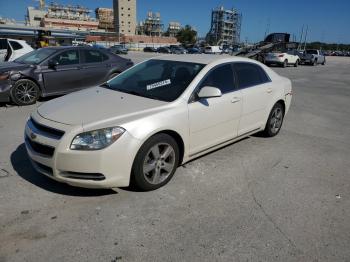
x: 159, y: 163
x: 26, y: 92
x: 276, y: 120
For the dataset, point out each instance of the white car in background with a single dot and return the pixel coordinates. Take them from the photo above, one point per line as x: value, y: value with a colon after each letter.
x: 141, y: 125
x: 283, y: 58
x: 11, y: 49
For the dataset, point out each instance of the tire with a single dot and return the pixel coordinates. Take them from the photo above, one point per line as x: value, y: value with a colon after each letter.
x: 314, y: 63
x: 25, y: 92
x: 296, y: 63
x: 285, y: 63
x: 275, y: 121
x: 155, y: 163
x: 324, y: 62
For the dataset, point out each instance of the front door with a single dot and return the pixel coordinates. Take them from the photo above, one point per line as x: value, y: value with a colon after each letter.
x: 66, y: 75
x: 215, y: 120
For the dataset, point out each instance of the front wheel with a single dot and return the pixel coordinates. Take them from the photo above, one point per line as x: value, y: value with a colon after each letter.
x: 155, y: 163
x: 25, y: 92
x: 275, y: 120
x: 324, y: 62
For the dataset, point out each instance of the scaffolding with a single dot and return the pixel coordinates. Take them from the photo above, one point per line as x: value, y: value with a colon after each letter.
x: 152, y: 26
x: 173, y: 29
x: 68, y: 12
x: 225, y: 27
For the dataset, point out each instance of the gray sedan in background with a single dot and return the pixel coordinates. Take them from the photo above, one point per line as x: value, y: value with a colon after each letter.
x: 55, y: 71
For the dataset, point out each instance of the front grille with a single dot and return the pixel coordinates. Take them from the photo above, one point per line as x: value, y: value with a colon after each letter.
x: 40, y: 148
x: 47, y: 169
x: 45, y: 130
x: 83, y: 176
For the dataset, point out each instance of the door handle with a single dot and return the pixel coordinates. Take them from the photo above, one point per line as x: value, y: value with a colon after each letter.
x: 269, y: 90
x: 235, y: 100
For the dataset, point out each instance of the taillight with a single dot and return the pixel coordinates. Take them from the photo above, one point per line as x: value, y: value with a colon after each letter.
x: 281, y: 55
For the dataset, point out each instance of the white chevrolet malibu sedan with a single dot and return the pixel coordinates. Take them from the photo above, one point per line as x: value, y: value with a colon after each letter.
x: 141, y: 125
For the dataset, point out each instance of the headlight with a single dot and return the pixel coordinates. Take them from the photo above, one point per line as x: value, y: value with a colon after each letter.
x: 97, y: 139
x: 4, y: 75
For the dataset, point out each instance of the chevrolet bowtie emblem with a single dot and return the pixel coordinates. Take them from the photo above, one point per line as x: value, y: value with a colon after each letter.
x: 32, y: 135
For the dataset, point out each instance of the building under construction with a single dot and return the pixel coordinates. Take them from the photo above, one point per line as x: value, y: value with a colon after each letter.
x: 173, y: 29
x: 105, y: 18
x: 225, y: 27
x: 152, y: 26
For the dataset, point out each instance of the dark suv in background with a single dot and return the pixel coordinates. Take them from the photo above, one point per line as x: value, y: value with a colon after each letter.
x: 57, y: 70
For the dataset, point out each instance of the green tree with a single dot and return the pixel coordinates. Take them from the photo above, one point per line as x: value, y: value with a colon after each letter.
x: 187, y: 35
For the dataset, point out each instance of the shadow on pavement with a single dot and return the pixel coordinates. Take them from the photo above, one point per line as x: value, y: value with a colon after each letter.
x: 21, y: 164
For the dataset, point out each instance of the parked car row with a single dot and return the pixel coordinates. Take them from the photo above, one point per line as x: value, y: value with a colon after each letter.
x: 295, y: 58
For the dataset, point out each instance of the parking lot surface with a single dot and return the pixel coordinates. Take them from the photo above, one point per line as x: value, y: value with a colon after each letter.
x: 285, y: 198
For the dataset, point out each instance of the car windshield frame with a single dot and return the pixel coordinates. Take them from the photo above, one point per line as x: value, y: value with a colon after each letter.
x: 169, y: 86
x: 46, y: 51
x: 311, y: 52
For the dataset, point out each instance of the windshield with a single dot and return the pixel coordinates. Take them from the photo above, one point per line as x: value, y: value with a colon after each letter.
x: 35, y: 57
x: 157, y: 79
x: 311, y: 52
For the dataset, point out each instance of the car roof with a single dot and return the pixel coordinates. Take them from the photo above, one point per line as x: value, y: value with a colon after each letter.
x: 202, y: 59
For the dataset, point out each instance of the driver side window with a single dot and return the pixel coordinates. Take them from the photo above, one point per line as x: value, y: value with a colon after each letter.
x: 70, y: 57
x: 220, y: 77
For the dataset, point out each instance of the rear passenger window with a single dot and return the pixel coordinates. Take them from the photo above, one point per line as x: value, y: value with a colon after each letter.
x: 94, y: 56
x: 15, y: 45
x: 250, y: 75
x: 221, y: 77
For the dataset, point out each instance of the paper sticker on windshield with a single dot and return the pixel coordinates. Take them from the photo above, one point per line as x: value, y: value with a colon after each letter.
x: 159, y: 84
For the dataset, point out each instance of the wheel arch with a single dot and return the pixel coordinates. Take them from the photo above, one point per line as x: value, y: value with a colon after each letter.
x: 25, y: 77
x: 177, y: 137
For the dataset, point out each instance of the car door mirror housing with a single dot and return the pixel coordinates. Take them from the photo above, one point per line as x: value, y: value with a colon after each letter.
x: 209, y: 91
x: 52, y: 63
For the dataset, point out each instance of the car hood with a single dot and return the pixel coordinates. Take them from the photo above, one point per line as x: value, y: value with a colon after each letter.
x: 97, y: 105
x: 10, y: 66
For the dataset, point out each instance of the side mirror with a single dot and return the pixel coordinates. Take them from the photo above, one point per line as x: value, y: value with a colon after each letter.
x: 209, y: 91
x: 52, y: 63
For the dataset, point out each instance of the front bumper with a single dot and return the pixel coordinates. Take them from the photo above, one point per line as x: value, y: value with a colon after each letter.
x: 107, y: 168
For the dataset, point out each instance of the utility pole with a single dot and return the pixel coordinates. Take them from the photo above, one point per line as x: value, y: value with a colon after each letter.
x: 306, y: 32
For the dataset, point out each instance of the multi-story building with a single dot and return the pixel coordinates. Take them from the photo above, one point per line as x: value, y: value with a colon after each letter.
x: 34, y: 16
x: 125, y: 16
x: 225, y: 27
x: 105, y: 18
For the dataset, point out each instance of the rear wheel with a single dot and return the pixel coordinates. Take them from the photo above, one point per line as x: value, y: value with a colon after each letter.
x: 25, y: 92
x: 155, y: 163
x: 324, y: 62
x: 296, y: 63
x: 285, y: 63
x: 275, y: 120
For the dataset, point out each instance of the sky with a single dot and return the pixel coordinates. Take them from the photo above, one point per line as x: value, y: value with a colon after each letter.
x: 328, y: 21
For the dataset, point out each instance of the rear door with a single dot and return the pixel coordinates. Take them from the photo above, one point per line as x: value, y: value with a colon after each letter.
x: 95, y: 67
x: 257, y: 92
x: 66, y: 76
